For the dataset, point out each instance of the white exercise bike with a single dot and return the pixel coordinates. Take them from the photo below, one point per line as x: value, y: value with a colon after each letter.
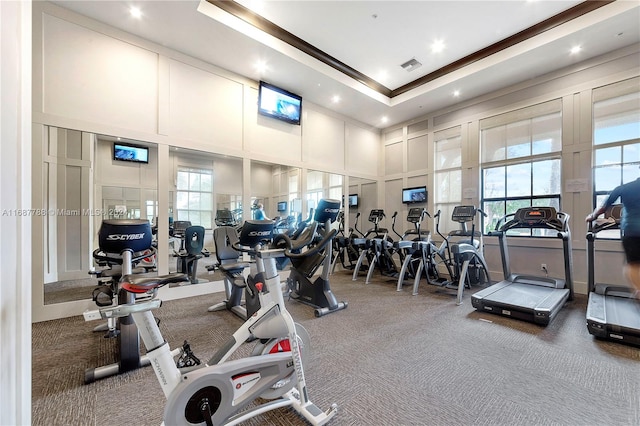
x: 220, y: 391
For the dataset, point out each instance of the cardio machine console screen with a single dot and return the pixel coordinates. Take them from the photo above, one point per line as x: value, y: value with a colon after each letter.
x: 535, y: 215
x: 414, y: 214
x: 463, y: 213
x: 376, y: 215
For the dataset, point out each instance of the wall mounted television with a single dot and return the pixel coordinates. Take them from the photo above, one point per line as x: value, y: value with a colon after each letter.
x: 353, y: 200
x: 416, y: 194
x: 131, y: 153
x: 282, y: 206
x: 279, y: 104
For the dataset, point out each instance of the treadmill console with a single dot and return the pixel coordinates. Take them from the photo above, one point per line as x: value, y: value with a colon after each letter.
x: 538, y: 217
x: 463, y: 214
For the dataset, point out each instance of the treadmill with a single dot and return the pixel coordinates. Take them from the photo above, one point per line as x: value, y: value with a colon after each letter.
x: 612, y: 312
x: 530, y: 298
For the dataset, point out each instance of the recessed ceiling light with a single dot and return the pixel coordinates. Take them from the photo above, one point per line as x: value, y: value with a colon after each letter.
x: 335, y: 99
x: 437, y: 46
x: 456, y: 93
x: 575, y: 49
x: 260, y: 66
x: 135, y: 12
x: 384, y: 119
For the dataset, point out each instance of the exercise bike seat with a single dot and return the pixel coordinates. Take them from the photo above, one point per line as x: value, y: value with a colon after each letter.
x: 140, y: 284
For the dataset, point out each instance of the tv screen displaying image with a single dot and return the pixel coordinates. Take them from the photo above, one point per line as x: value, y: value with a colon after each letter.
x: 353, y: 200
x: 132, y: 153
x: 414, y: 195
x: 282, y: 206
x: 278, y: 103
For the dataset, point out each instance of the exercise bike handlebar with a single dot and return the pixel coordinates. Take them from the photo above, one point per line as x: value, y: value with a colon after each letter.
x: 101, y: 256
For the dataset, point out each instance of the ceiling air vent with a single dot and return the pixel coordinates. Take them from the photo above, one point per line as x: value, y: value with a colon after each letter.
x: 411, y: 65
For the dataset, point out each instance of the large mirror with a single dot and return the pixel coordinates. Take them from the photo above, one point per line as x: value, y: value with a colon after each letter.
x: 278, y: 189
x: 88, y: 178
x: 362, y: 198
x: 205, y: 189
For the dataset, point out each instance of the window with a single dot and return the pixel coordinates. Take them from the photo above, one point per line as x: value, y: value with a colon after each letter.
x: 521, y: 163
x: 448, y: 175
x: 194, y: 198
x: 616, y: 137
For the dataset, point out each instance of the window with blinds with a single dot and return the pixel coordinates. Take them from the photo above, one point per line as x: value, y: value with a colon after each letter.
x: 616, y: 137
x: 448, y: 175
x: 521, y: 161
x: 194, y: 197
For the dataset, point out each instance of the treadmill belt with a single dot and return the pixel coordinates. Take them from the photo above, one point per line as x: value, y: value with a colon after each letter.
x: 623, y: 312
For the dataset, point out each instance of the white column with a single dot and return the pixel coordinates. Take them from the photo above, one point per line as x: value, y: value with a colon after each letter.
x: 15, y: 195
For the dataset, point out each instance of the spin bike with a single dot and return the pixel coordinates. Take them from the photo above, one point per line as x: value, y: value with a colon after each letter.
x: 223, y: 391
x: 304, y: 264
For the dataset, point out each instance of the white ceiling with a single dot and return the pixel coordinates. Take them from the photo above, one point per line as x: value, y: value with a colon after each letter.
x: 375, y: 38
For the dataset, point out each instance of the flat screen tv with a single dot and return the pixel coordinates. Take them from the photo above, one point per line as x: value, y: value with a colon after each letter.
x: 131, y: 153
x: 282, y: 206
x: 353, y: 200
x: 417, y: 194
x: 278, y: 103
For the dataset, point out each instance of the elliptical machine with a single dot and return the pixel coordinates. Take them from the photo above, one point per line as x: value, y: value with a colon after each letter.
x: 227, y: 391
x: 123, y: 243
x: 412, y: 246
x: 303, y: 265
x: 462, y: 258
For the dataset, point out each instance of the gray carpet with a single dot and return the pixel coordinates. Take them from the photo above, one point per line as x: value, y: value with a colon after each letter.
x: 388, y: 359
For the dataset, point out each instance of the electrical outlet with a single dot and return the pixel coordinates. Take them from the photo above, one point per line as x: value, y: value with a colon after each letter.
x: 543, y: 267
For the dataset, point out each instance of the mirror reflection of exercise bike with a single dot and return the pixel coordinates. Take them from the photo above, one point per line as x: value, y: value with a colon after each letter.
x: 125, y: 247
x: 228, y: 390
x: 460, y: 253
x: 191, y: 249
x: 240, y: 298
x: 613, y: 313
x: 304, y: 264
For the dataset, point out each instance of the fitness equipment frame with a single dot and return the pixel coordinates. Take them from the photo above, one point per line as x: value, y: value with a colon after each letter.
x: 612, y: 311
x: 410, y: 249
x: 531, y: 298
x: 457, y: 256
x: 304, y: 264
x: 235, y: 284
x: 122, y: 243
x: 223, y: 391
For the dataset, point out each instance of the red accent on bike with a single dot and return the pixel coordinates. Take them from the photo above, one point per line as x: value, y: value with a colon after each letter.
x: 134, y: 288
x: 259, y: 286
x: 282, y: 346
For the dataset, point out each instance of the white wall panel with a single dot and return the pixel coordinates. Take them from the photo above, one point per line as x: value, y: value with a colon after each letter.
x: 362, y: 150
x: 323, y: 140
x: 204, y: 106
x: 96, y: 78
x: 275, y: 140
